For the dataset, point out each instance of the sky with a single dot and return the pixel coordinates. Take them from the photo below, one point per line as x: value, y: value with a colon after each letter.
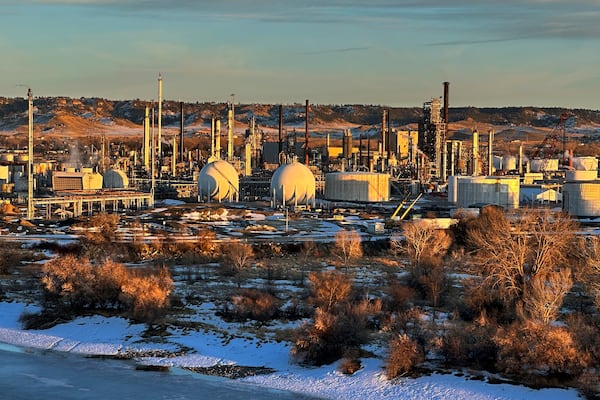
x: 388, y: 52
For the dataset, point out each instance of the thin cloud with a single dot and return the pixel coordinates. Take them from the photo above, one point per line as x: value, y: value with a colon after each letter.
x: 333, y: 51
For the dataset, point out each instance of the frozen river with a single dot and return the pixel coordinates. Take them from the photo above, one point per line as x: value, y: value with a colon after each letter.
x: 48, y: 375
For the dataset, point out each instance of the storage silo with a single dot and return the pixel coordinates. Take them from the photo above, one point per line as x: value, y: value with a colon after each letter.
x: 218, y: 180
x: 357, y: 186
x: 480, y: 190
x: 509, y: 163
x: 585, y: 163
x: 543, y: 165
x: 293, y: 184
x: 581, y: 175
x: 582, y: 199
x: 115, y: 179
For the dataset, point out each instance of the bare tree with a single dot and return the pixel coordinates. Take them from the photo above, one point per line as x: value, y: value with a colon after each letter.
x: 423, y: 238
x: 330, y: 288
x: 237, y: 256
x: 524, y: 259
x: 347, y: 247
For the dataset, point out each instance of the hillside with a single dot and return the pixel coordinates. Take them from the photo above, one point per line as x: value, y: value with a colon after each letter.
x: 63, y: 116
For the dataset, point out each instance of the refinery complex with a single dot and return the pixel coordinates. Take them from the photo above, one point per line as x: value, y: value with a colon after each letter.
x: 297, y: 170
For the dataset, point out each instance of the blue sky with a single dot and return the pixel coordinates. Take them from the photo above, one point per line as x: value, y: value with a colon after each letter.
x: 389, y: 52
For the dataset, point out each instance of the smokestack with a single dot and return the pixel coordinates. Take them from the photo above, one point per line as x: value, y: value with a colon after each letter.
x: 230, y: 134
x: 212, y: 136
x: 389, y: 133
x: 520, y: 159
x: 383, y: 129
x: 490, y: 152
x: 446, y: 102
x: 159, y: 115
x: 475, y: 151
x: 174, y: 158
x: 230, y: 127
x: 306, y: 155
x: 146, y: 159
x: 280, y: 128
x: 181, y: 149
x: 218, y: 139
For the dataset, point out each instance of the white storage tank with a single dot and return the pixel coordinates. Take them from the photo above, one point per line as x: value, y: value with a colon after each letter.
x: 501, y: 191
x: 293, y: 184
x: 509, y: 163
x: 453, y: 189
x: 581, y: 175
x: 218, y: 180
x: 115, y: 179
x: 585, y: 163
x: 357, y: 186
x: 582, y: 199
x: 543, y: 165
x: 498, y: 163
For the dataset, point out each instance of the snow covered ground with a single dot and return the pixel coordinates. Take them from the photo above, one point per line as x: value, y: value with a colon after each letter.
x: 111, y: 336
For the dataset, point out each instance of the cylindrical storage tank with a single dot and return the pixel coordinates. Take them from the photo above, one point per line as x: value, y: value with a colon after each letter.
x: 480, y: 190
x: 585, y: 163
x: 452, y: 189
x: 509, y: 163
x: 218, y: 180
x: 357, y: 186
x: 115, y: 179
x: 92, y: 181
x: 545, y: 165
x: 293, y: 184
x: 582, y: 199
x: 581, y: 175
x: 22, y: 158
x: 498, y: 164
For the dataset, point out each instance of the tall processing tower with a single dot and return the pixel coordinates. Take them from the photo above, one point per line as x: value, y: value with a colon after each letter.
x: 432, y: 138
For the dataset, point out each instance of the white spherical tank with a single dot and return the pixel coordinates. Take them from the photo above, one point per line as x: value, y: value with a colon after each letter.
x: 218, y: 180
x: 293, y: 184
x: 115, y: 179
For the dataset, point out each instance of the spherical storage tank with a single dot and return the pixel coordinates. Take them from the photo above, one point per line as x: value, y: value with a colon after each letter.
x: 115, y: 179
x: 218, y: 180
x: 293, y: 184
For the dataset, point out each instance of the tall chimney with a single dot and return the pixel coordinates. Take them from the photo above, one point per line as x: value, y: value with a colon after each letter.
x: 218, y: 138
x: 306, y: 155
x: 181, y: 147
x: 30, y: 209
x: 146, y: 158
x: 490, y: 152
x: 280, y: 129
x: 383, y: 129
x: 212, y: 136
x: 230, y: 134
x: 446, y: 100
x: 475, y: 153
x: 159, y: 116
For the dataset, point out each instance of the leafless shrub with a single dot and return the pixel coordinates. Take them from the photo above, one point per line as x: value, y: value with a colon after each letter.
x: 544, y: 294
x: 404, y: 354
x: 538, y: 349
x: 147, y: 293
x: 349, y: 366
x: 330, y: 288
x: 254, y: 304
x: 236, y: 256
x: 347, y: 247
x: 398, y: 297
x: 470, y: 345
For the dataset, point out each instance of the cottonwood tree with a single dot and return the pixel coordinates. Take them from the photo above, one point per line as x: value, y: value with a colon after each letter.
x: 347, y: 247
x: 523, y: 257
x: 237, y: 256
x: 422, y: 238
x: 330, y: 288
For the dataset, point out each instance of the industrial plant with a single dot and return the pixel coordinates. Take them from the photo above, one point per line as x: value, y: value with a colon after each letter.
x: 449, y: 168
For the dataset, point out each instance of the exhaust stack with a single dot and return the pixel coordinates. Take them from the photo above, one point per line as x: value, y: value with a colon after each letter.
x: 306, y: 152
